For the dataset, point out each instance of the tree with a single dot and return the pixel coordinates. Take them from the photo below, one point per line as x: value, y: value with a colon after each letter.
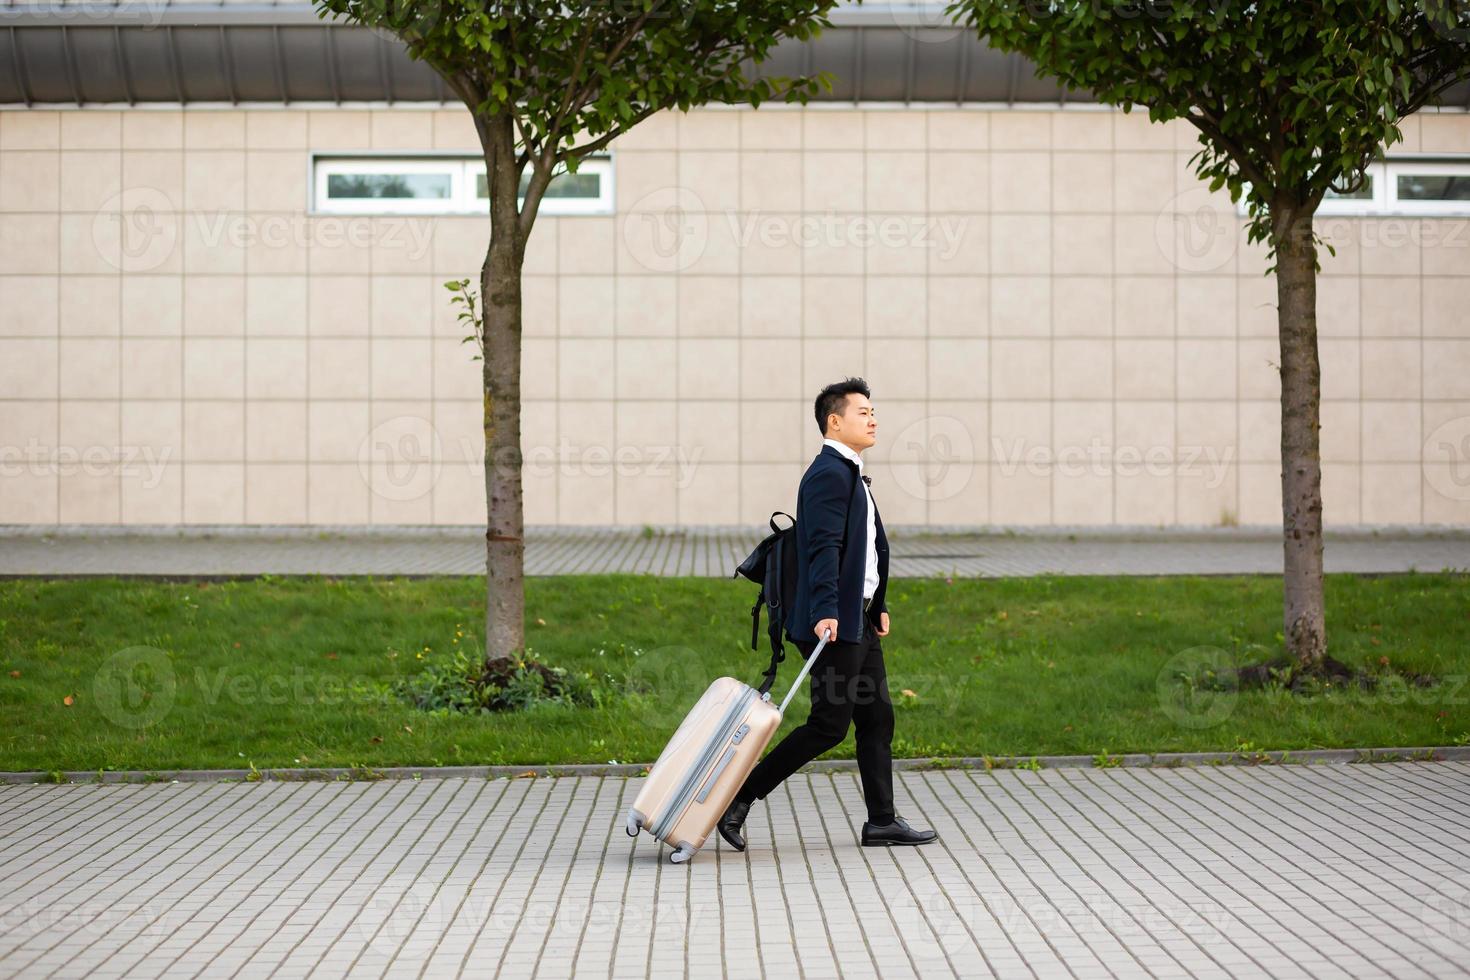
x: 1290, y: 98
x: 547, y: 84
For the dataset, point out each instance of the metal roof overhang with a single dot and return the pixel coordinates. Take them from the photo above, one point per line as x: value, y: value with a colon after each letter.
x: 280, y: 51
x: 255, y: 51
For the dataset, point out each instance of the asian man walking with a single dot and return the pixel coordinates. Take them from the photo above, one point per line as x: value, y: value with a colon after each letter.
x: 842, y: 574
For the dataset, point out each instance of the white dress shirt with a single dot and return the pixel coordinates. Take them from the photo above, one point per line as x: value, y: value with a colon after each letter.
x: 870, y: 576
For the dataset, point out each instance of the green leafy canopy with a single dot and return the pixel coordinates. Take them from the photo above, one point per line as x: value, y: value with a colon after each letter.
x: 574, y: 76
x: 1291, y: 97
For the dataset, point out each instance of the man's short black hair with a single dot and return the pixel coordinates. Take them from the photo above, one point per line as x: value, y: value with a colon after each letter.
x: 833, y: 398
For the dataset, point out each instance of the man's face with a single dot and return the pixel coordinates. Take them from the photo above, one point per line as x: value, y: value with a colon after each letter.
x: 857, y: 426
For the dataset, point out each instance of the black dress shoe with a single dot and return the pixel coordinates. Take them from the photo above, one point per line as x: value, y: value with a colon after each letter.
x: 730, y: 824
x: 898, y: 832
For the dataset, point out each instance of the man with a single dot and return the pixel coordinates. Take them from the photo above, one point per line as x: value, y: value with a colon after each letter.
x: 842, y: 574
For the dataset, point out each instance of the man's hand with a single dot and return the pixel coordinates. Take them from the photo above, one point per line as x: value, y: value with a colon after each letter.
x: 883, y: 624
x: 826, y: 624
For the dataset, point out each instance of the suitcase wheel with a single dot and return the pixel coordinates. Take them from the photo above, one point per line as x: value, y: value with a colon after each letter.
x: 635, y: 824
x: 681, y: 854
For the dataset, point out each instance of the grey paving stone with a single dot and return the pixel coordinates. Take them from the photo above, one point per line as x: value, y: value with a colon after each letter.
x: 1322, y: 870
x: 213, y: 550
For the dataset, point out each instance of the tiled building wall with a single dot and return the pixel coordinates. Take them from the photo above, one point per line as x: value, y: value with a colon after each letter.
x: 1060, y: 325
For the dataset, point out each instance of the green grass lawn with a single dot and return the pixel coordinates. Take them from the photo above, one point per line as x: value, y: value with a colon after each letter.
x: 281, y: 672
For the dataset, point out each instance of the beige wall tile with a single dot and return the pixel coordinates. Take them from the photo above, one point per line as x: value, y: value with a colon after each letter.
x: 1020, y: 130
x: 1144, y: 306
x: 647, y: 368
x: 1390, y: 369
x: 89, y: 497
x: 91, y: 130
x: 1020, y: 182
x: 1020, y: 244
x: 884, y: 129
x: 339, y: 306
x: 394, y: 129
x: 961, y: 244
x: 339, y: 130
x: 214, y: 367
x: 28, y: 180
x: 1341, y: 431
x: 1143, y: 497
x: 1260, y: 493
x: 275, y: 432
x: 837, y: 128
x: 1018, y: 369
x: 896, y: 306
x: 335, y: 431
x: 1143, y: 369
x: 1082, y: 306
x: 214, y: 431
x: 91, y: 180
x: 1143, y: 183
x: 832, y: 180
x: 1446, y: 308
x: 1144, y: 436
x: 1082, y: 129
x: 336, y: 494
x: 91, y: 367
x: 1446, y: 368
x: 1205, y: 306
x: 1019, y: 496
x: 1259, y: 427
x: 777, y: 129
x: 276, y: 129
x: 707, y: 433
x: 277, y: 306
x: 709, y: 129
x: 212, y: 129
x: 1206, y: 369
x: 957, y: 129
x: 30, y: 129
x: 456, y: 374
x: 1082, y: 368
x: 275, y: 368
x: 706, y: 498
x: 707, y: 181
x: 586, y: 306
x: 152, y: 368
x: 1391, y: 493
x: 772, y: 180
x: 896, y: 181
x: 958, y: 306
x: 29, y: 306
x: 401, y: 306
x: 1082, y: 244
x: 152, y: 499
x: 275, y: 493
x: 1082, y: 182
x: 401, y: 368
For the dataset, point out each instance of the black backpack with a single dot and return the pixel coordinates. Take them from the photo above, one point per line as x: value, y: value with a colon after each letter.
x: 772, y: 566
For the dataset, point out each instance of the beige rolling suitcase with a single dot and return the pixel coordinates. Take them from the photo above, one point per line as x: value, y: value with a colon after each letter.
x: 706, y: 762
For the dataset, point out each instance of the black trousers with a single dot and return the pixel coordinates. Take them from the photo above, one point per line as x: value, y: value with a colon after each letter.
x: 849, y: 686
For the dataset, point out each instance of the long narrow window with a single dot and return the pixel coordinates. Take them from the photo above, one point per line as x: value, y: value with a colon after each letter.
x: 1426, y: 188
x: 444, y: 185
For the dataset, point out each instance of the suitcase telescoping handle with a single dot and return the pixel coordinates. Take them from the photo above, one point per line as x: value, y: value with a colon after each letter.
x: 805, y: 669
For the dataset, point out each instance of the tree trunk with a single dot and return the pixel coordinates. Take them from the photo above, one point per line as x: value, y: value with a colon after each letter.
x: 1305, y: 625
x: 500, y: 285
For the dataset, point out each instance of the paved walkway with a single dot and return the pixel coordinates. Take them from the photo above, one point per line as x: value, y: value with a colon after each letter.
x: 1288, y: 871
x: 704, y: 551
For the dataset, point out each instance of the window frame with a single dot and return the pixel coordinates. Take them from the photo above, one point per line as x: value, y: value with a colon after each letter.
x: 1385, y: 202
x: 463, y: 171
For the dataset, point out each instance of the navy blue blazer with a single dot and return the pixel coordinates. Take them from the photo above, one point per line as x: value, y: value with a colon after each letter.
x: 831, y: 541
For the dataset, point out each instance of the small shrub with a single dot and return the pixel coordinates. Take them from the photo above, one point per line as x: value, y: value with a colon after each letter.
x: 464, y: 685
